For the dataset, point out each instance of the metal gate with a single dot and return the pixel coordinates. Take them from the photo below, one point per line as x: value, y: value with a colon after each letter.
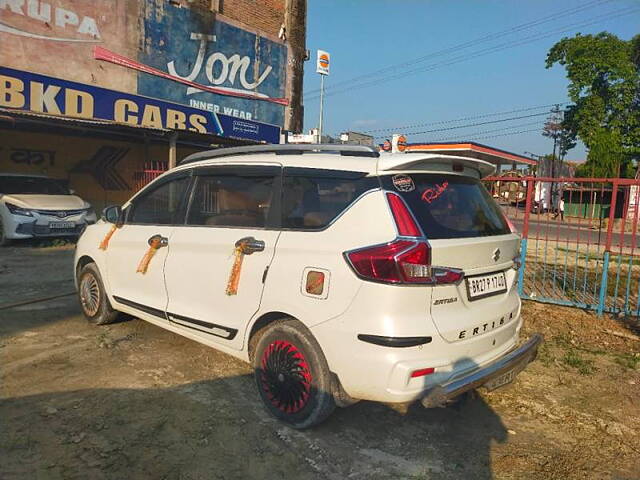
x: 580, y: 240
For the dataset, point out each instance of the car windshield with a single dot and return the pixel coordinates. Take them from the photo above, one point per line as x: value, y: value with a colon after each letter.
x: 449, y: 206
x: 31, y: 185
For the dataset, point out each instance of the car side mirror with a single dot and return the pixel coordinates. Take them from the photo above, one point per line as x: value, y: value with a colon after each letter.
x: 113, y: 214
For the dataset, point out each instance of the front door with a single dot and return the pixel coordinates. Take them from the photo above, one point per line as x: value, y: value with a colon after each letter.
x: 217, y: 262
x: 137, y: 251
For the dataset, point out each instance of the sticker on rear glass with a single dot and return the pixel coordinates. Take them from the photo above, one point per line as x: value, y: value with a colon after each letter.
x: 430, y: 194
x: 403, y: 183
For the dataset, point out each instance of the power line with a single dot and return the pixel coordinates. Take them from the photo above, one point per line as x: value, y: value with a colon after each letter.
x: 467, y: 136
x: 487, y: 51
x: 473, y: 124
x: 447, y: 139
x: 485, y: 38
x: 492, y: 136
x: 474, y: 117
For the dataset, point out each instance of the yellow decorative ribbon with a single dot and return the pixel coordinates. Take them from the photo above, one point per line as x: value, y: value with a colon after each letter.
x: 234, y: 278
x: 105, y: 241
x: 154, y: 245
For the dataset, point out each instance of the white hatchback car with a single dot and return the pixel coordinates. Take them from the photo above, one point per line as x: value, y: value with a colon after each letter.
x: 34, y: 206
x: 339, y: 273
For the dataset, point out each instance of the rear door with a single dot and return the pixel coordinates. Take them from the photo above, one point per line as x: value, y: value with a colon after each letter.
x: 213, y: 289
x: 467, y: 230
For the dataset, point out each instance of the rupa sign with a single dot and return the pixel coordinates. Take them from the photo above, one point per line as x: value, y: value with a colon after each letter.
x: 47, y: 21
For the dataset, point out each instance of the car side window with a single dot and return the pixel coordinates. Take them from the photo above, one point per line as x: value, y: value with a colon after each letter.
x: 227, y: 200
x: 161, y: 205
x: 313, y: 198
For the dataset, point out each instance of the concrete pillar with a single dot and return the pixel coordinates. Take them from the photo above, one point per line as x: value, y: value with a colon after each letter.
x: 173, y: 150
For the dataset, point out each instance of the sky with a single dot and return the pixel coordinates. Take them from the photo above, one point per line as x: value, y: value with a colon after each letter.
x: 366, y: 36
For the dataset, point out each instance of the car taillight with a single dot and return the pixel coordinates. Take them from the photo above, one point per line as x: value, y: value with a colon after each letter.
x: 407, y: 226
x: 401, y: 261
x: 378, y: 262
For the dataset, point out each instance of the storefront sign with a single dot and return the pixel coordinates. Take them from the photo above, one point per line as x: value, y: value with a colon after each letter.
x: 37, y: 20
x: 195, y: 58
x: 43, y: 94
x: 246, y: 129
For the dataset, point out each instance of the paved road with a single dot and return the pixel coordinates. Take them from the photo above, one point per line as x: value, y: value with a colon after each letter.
x: 571, y: 232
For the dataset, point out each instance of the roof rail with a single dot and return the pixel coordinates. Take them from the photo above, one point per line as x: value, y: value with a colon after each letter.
x: 286, y: 149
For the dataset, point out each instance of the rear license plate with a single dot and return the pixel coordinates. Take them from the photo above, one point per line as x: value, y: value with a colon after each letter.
x: 61, y: 225
x: 482, y: 286
x: 503, y: 379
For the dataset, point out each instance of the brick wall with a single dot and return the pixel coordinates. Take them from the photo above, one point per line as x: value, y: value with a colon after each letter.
x: 265, y: 15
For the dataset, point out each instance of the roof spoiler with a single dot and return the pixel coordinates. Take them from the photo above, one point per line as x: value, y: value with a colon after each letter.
x: 421, y: 161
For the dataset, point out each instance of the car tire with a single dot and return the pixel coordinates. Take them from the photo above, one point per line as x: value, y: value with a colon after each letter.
x: 4, y: 241
x: 93, y: 299
x: 292, y: 375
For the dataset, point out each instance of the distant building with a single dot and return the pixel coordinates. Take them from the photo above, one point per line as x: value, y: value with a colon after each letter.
x: 356, y: 138
x: 500, y: 158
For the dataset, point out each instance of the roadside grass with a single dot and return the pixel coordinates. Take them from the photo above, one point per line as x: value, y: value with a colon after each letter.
x: 573, y: 359
x: 561, y: 348
x: 635, y: 262
x: 630, y: 361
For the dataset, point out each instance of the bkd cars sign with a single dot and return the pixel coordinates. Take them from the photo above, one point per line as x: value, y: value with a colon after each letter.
x: 42, y: 94
x: 39, y: 93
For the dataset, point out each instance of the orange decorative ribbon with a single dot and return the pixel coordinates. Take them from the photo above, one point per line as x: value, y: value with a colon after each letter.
x: 105, y: 241
x: 155, y: 243
x: 234, y: 278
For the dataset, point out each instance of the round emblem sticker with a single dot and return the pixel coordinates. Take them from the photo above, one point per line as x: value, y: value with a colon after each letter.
x: 403, y: 183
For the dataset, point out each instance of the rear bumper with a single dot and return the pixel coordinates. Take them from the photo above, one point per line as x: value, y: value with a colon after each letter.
x: 511, y: 363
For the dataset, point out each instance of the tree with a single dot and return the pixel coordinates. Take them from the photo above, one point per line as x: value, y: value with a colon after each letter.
x: 604, y: 86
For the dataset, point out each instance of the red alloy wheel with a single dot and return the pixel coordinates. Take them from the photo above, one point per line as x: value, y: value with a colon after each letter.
x: 285, y: 376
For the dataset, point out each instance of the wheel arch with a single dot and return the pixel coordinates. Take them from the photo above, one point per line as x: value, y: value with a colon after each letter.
x: 82, y: 261
x: 265, y: 320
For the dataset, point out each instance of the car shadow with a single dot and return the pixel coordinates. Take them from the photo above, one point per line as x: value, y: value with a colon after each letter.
x: 219, y: 429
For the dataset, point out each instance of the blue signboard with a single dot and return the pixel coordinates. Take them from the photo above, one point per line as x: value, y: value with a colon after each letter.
x: 43, y: 94
x: 234, y: 127
x: 195, y: 46
x: 40, y: 93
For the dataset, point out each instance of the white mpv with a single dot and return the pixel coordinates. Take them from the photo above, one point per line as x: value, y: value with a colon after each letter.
x: 339, y: 273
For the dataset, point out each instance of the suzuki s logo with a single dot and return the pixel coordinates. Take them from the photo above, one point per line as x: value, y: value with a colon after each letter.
x: 61, y: 214
x: 496, y: 255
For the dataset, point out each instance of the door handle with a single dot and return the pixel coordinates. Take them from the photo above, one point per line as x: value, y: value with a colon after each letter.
x: 250, y: 245
x: 158, y: 241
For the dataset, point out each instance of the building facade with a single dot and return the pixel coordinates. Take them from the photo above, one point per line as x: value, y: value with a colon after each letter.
x: 104, y: 93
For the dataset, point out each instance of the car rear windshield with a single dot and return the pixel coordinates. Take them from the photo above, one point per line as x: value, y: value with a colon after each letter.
x: 31, y: 185
x: 449, y: 206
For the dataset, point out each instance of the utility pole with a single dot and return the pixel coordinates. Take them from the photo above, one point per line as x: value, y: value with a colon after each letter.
x: 294, y: 33
x: 552, y: 129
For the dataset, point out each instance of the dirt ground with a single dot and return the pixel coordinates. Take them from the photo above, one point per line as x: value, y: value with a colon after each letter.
x: 131, y: 400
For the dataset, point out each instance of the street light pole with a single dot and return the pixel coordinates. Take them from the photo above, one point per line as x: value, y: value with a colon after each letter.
x: 321, y: 108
